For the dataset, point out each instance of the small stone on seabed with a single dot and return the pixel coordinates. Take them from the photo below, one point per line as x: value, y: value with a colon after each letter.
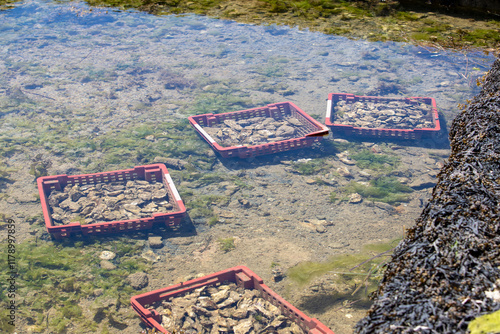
x: 155, y: 242
x: 105, y: 264
x: 320, y: 228
x: 138, y: 280
x: 355, y: 198
x: 149, y: 255
x: 107, y: 255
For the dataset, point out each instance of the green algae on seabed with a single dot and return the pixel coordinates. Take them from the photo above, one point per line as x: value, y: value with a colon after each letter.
x: 226, y: 244
x: 371, y: 20
x: 377, y: 162
x: 488, y: 323
x: 310, y: 167
x: 212, y: 221
x: 345, y: 264
x: 381, y: 189
x: 202, y: 205
x: 55, y: 278
x: 359, y: 272
x: 5, y: 172
x: 7, y: 4
x: 129, y: 146
x: 216, y: 103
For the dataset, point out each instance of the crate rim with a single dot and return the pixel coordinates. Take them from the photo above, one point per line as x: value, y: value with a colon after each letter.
x: 432, y: 103
x: 322, y: 131
x: 139, y: 303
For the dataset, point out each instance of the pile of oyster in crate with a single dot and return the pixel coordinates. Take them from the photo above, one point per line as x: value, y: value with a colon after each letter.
x: 226, y: 308
x: 385, y: 115
x: 105, y: 202
x: 255, y: 130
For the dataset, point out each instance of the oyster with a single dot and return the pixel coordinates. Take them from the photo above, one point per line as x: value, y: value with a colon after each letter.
x: 256, y: 130
x: 104, y: 202
x: 230, y: 309
x: 385, y: 115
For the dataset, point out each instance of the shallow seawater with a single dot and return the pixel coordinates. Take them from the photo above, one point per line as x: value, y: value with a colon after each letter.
x: 86, y: 90
x: 48, y: 48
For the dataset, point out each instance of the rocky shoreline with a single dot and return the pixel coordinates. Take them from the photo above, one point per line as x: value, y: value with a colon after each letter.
x: 443, y: 24
x: 446, y: 272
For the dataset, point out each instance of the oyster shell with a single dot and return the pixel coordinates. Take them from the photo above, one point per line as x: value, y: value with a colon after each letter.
x: 256, y: 130
x: 242, y: 311
x: 104, y: 202
x: 388, y: 115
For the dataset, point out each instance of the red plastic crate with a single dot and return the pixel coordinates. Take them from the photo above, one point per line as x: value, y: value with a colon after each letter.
x: 151, y: 173
x: 315, y: 130
x: 240, y: 275
x: 349, y: 130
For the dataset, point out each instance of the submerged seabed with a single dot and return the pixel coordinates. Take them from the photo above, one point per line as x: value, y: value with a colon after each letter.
x: 81, y: 91
x: 72, y: 55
